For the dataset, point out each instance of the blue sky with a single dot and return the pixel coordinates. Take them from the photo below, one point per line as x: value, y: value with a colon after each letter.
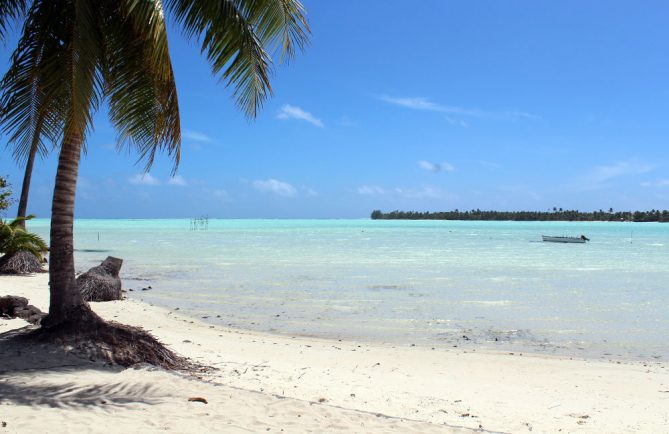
x: 429, y: 105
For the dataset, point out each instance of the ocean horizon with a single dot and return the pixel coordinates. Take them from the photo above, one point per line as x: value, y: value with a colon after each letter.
x: 491, y: 285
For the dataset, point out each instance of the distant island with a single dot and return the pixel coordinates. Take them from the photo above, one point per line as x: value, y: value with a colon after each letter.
x: 557, y: 214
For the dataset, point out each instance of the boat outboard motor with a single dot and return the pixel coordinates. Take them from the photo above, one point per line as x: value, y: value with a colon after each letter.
x: 584, y: 238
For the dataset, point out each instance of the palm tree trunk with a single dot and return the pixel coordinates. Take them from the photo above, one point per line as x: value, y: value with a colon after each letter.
x: 66, y: 302
x: 25, y: 188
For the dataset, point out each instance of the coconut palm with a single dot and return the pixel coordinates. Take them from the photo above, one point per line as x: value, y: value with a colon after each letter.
x: 22, y: 251
x: 73, y: 55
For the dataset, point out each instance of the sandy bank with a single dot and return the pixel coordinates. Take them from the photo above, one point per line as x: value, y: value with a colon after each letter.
x: 277, y: 382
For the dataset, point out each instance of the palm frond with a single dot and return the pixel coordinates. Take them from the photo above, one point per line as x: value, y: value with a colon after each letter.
x: 16, y: 223
x: 10, y: 10
x: 13, y: 238
x: 280, y: 25
x: 84, y: 81
x: 232, y: 47
x: 29, y: 108
x: 73, y: 54
x: 140, y: 82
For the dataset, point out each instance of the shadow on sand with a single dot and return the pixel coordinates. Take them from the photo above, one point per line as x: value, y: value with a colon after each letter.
x: 47, y: 375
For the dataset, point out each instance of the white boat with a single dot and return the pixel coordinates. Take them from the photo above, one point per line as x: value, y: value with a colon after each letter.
x: 550, y: 239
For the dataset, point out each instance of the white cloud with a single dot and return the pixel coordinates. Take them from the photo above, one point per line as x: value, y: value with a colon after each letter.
x: 177, y: 180
x: 292, y: 112
x: 601, y: 174
x: 371, y: 190
x: 416, y: 103
x: 522, y: 115
x: 458, y: 122
x: 658, y: 183
x: 275, y: 186
x: 195, y: 136
x: 145, y: 179
x: 422, y: 103
x: 310, y: 192
x: 436, y: 167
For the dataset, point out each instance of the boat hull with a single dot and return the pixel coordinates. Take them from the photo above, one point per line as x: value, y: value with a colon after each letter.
x: 573, y: 240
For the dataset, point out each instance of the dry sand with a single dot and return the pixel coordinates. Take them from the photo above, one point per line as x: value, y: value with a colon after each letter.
x: 270, y: 383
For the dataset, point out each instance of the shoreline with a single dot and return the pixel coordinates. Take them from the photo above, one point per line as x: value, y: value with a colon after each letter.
x: 465, y: 344
x: 419, y: 389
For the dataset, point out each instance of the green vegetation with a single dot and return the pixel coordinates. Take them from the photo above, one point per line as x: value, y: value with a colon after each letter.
x: 22, y: 251
x: 14, y: 239
x: 554, y: 215
x: 5, y: 193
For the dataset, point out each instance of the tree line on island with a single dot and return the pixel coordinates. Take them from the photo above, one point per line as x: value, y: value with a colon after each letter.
x: 556, y: 214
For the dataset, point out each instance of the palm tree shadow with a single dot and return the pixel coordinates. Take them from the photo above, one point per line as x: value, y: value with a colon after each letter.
x: 72, y: 395
x: 36, y: 374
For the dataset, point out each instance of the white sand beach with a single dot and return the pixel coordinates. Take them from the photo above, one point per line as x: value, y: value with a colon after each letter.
x: 270, y: 383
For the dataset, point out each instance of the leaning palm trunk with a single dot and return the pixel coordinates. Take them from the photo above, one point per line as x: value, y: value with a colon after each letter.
x: 70, y: 318
x: 66, y: 300
x: 25, y: 188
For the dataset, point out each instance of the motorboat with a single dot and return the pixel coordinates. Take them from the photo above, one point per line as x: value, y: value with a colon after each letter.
x: 553, y: 239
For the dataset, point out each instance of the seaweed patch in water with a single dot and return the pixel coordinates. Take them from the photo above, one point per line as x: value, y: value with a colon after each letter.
x: 92, y: 250
x: 387, y: 287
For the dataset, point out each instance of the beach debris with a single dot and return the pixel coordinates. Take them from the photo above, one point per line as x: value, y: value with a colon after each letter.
x: 322, y: 399
x: 4, y: 424
x: 102, y: 283
x: 12, y: 306
x: 581, y: 417
x: 197, y: 399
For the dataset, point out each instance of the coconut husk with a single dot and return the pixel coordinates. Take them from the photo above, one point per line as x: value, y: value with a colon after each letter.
x: 21, y: 262
x: 102, y: 283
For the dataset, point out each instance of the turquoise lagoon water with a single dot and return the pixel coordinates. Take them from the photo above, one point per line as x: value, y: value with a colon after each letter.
x: 438, y: 283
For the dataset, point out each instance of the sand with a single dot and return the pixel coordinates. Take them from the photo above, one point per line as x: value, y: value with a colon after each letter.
x: 270, y: 383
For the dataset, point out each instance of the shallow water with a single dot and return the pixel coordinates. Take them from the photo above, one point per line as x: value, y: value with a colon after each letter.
x: 439, y: 283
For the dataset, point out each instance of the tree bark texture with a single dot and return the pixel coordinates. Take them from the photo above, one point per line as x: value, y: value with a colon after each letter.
x: 66, y: 300
x: 25, y: 188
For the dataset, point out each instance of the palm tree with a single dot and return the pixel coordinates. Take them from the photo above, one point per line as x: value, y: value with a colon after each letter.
x: 75, y: 54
